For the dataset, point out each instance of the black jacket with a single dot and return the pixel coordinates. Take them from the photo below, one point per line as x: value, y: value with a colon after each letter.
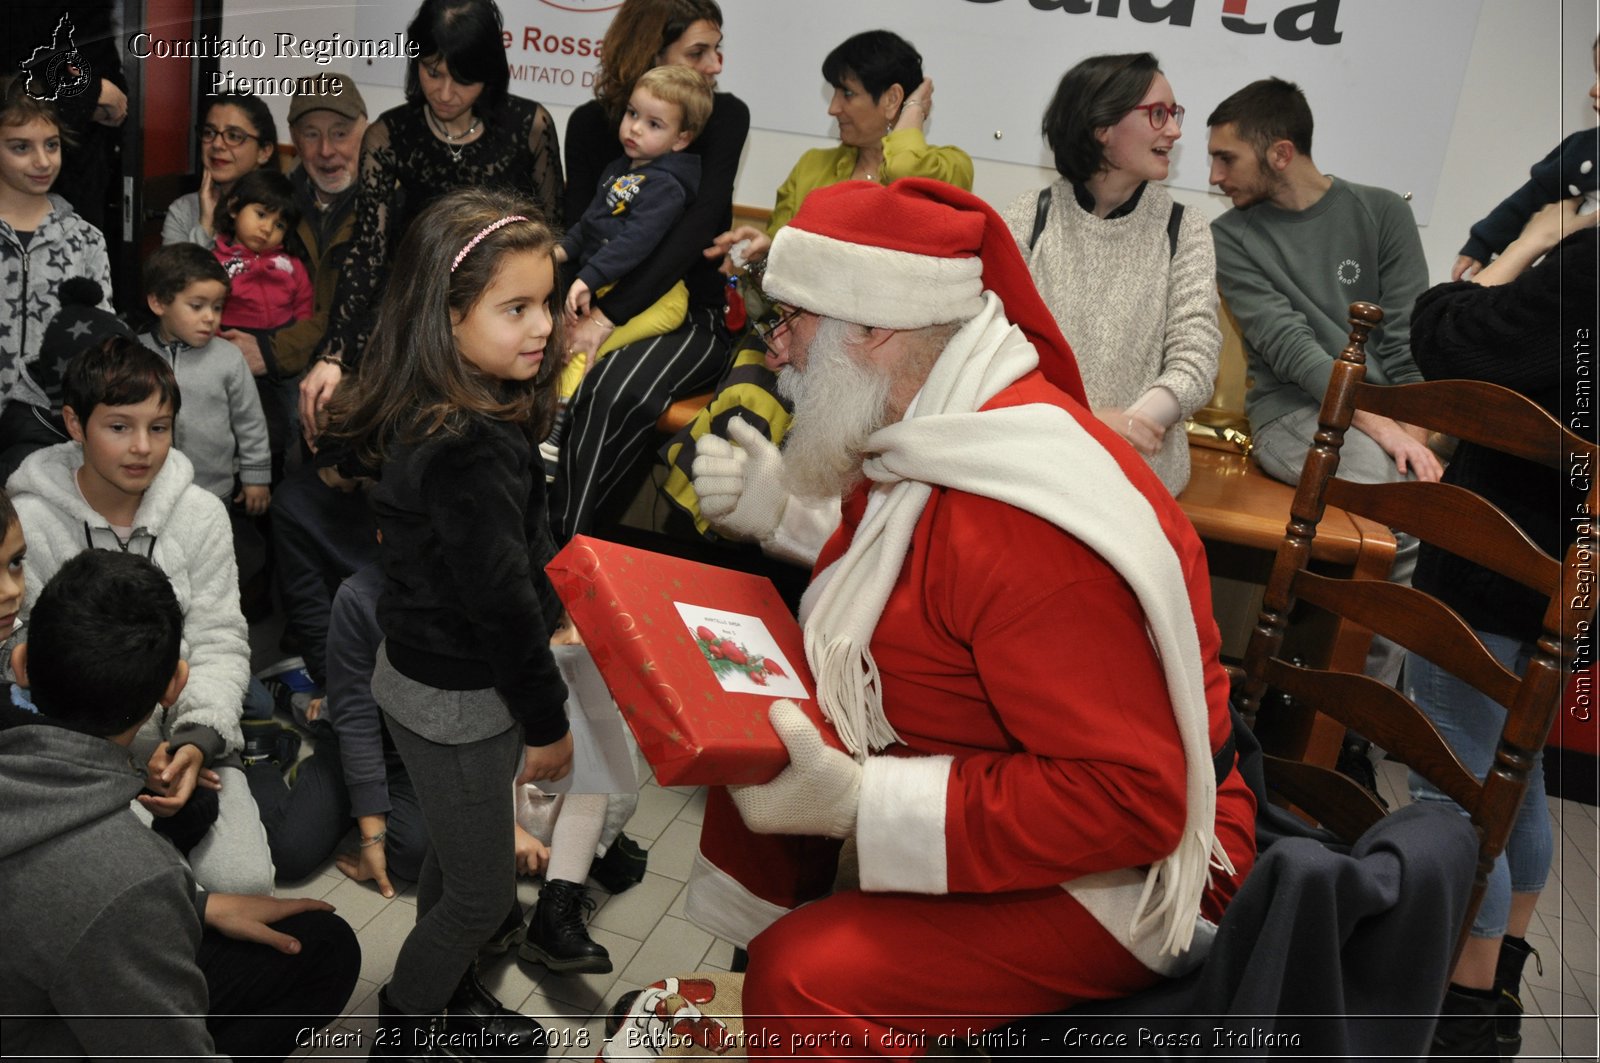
x: 1537, y: 336
x: 466, y: 604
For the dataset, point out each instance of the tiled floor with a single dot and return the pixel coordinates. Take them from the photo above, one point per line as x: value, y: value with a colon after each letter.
x: 644, y: 930
x: 648, y: 937
x: 1563, y: 999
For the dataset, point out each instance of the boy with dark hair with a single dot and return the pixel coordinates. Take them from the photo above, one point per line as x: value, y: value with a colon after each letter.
x: 105, y: 953
x: 120, y: 486
x: 225, y: 430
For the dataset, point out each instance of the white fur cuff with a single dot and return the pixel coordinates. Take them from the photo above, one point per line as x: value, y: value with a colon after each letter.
x: 900, y: 830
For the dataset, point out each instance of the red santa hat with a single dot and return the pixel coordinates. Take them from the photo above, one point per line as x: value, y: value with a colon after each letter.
x: 918, y: 252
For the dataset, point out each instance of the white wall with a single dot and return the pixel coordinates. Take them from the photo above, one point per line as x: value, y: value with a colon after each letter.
x: 1526, y: 84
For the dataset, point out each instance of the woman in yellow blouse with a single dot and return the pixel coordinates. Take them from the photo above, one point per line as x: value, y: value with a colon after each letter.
x: 881, y: 102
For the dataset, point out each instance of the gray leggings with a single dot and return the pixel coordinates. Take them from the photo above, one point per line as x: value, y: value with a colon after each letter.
x: 468, y: 881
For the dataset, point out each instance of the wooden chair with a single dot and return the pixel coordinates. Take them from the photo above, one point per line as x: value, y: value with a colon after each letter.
x: 1456, y: 520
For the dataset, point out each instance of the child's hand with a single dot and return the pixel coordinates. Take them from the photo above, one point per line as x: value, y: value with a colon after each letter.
x: 1464, y: 268
x: 370, y: 862
x: 560, y: 253
x: 246, y: 917
x: 578, y: 299
x: 532, y: 854
x: 547, y: 763
x: 256, y: 498
x: 174, y: 776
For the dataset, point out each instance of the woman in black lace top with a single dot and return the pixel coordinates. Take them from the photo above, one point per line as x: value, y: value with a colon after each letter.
x: 458, y: 128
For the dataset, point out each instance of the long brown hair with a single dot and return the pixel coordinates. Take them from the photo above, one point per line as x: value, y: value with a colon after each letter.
x: 641, y: 31
x: 413, y: 381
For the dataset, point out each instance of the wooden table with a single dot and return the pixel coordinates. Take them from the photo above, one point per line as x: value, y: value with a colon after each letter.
x: 1241, y: 513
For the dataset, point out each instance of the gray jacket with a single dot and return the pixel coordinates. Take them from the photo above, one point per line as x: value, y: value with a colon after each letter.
x: 221, y: 425
x: 100, y: 913
x: 62, y: 247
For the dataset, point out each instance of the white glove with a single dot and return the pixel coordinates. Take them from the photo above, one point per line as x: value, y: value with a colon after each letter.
x: 817, y: 794
x: 741, y: 488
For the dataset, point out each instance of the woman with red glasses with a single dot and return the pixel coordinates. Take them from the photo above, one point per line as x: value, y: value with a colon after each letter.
x: 1129, y: 275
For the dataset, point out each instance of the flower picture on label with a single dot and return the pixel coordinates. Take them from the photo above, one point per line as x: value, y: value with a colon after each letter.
x: 741, y: 652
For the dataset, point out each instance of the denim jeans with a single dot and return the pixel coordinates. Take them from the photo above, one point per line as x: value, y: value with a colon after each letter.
x: 1471, y: 721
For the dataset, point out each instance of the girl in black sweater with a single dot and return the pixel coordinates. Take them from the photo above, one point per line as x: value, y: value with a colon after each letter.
x: 455, y: 386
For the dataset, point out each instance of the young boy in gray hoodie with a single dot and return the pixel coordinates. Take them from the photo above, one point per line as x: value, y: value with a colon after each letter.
x: 109, y: 949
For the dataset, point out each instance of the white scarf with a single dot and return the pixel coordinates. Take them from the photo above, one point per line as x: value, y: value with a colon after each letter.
x: 1039, y: 459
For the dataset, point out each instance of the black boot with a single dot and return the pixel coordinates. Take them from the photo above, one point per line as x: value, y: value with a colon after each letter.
x: 557, y: 936
x: 1514, y: 952
x: 500, y: 1031
x: 403, y: 1037
x: 1466, y: 1025
x: 509, y: 934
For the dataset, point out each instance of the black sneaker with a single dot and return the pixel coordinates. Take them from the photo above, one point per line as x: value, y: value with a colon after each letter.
x: 550, y: 446
x: 268, y: 741
x: 557, y: 935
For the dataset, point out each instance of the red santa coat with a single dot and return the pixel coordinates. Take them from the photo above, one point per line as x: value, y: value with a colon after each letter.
x: 1040, y: 744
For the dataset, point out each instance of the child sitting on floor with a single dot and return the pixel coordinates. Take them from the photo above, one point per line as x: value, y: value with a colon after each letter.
x: 119, y: 485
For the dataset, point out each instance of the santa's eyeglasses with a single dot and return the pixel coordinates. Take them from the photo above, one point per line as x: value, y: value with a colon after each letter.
x: 771, y: 326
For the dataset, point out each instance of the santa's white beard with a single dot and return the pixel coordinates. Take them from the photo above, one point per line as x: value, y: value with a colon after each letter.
x: 838, y: 403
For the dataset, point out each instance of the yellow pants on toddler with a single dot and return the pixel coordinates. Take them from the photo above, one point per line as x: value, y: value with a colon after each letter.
x: 658, y: 319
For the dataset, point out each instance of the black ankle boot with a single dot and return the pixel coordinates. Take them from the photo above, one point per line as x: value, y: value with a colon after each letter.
x: 1514, y: 952
x: 403, y: 1037
x: 1466, y: 1025
x: 557, y: 936
x: 509, y: 934
x: 491, y: 1029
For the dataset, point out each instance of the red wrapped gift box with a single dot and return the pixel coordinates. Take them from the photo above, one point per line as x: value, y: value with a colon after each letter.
x: 694, y: 656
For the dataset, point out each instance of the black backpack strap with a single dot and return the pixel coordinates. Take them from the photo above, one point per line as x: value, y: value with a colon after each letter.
x: 1174, y: 220
x: 1040, y: 213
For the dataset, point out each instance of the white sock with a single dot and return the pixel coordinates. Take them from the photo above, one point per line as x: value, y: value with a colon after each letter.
x: 575, y: 837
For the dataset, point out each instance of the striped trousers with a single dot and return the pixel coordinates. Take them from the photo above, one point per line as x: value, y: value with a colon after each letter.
x: 614, y: 413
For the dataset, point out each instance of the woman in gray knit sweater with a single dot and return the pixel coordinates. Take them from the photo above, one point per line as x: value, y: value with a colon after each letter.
x: 1130, y: 276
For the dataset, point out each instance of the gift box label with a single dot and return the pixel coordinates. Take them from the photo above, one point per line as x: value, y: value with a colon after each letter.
x: 696, y: 700
x: 741, y: 653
